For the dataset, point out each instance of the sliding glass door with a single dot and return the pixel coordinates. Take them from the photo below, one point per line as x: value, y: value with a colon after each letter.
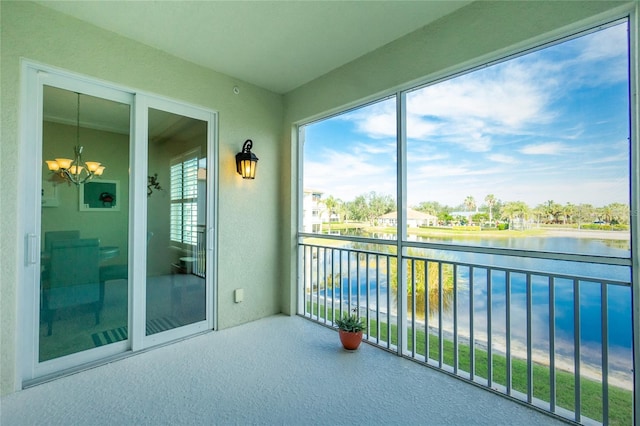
x: 177, y: 221
x: 118, y: 221
x: 83, y: 297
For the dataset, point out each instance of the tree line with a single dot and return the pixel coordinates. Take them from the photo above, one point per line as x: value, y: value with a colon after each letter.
x: 370, y: 206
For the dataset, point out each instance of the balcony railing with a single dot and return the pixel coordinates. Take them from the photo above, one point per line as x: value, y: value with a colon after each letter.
x: 555, y: 334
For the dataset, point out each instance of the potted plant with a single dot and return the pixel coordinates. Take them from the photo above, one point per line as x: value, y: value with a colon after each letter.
x: 350, y: 328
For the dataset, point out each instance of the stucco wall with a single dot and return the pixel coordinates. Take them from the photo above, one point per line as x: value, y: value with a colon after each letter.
x: 248, y: 210
x: 480, y: 32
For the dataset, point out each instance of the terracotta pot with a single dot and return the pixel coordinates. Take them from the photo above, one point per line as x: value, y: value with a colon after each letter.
x: 350, y: 340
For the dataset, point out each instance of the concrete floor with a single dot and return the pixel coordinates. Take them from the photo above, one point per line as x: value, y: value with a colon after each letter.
x: 279, y: 370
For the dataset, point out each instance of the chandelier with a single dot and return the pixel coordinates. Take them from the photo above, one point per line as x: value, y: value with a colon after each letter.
x: 72, y: 170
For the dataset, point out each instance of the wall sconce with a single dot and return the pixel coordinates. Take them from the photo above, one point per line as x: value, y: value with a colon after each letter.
x: 246, y: 161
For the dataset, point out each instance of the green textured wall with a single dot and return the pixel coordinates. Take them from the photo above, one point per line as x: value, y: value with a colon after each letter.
x: 244, y: 231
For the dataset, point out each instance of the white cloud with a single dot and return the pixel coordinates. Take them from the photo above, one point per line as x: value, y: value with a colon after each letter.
x: 386, y: 148
x: 346, y: 175
x: 615, y: 160
x: 376, y: 120
x: 509, y: 95
x: 603, y: 45
x: 549, y: 148
x: 474, y: 141
x: 501, y: 158
x: 425, y: 157
x: 378, y: 125
x: 417, y: 128
x: 599, y: 59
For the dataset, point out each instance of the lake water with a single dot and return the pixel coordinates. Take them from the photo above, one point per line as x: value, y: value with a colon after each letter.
x: 618, y: 301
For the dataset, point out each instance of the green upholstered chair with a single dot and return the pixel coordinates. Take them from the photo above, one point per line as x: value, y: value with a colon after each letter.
x: 74, y: 277
x: 51, y: 236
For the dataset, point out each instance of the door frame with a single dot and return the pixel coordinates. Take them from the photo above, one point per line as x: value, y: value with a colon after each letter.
x: 139, y: 222
x: 34, y: 77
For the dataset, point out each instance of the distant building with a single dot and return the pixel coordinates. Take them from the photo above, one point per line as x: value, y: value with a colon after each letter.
x: 313, y: 211
x: 414, y: 219
x: 467, y: 215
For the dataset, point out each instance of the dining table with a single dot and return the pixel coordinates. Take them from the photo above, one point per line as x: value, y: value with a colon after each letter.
x: 106, y: 253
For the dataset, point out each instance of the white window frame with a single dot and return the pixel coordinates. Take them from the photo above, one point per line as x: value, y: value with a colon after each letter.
x: 180, y: 196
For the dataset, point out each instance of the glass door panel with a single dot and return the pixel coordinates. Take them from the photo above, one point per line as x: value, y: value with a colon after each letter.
x: 84, y: 295
x: 176, y: 221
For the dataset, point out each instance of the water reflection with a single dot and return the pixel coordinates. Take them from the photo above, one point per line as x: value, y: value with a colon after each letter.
x: 478, y: 278
x: 603, y: 243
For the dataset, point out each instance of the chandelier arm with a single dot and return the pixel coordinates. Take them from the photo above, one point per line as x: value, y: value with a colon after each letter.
x: 73, y: 171
x: 78, y: 148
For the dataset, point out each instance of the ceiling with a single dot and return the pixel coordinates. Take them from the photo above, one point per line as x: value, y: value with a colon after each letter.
x: 277, y: 45
x: 66, y: 107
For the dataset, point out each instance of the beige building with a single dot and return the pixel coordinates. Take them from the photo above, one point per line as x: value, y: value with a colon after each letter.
x: 414, y: 219
x: 313, y: 211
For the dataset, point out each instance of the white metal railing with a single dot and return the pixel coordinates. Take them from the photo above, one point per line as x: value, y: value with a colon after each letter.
x: 544, y: 337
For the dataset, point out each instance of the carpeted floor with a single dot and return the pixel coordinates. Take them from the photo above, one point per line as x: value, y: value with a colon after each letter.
x: 276, y: 371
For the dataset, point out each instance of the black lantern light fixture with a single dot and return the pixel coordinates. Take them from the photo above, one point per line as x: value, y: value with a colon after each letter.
x: 246, y: 161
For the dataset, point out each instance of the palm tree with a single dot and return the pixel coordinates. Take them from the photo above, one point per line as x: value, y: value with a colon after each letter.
x: 515, y: 210
x: 583, y: 214
x: 341, y: 210
x: 606, y: 213
x: 490, y: 199
x: 331, y: 204
x: 470, y: 203
x: 568, y: 212
x: 554, y: 210
x: 426, y: 290
x: 619, y: 213
x: 539, y: 212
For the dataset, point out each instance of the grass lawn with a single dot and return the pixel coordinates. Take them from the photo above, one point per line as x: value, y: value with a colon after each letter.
x: 620, y: 400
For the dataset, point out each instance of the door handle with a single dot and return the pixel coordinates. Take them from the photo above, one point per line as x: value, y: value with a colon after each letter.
x: 210, y: 238
x: 32, y: 254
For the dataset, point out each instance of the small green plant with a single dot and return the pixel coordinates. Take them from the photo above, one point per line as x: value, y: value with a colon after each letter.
x: 350, y: 323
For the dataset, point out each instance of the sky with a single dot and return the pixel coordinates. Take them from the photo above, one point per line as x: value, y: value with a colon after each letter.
x: 548, y: 125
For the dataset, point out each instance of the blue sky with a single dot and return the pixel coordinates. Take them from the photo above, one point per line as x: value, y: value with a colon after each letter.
x: 549, y: 125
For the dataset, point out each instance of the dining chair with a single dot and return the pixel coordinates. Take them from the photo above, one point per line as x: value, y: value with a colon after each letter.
x: 51, y: 236
x: 115, y: 272
x: 74, y: 277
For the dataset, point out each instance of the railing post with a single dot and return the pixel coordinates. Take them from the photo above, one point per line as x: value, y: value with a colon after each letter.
x: 401, y: 218
x: 440, y: 322
x: 576, y: 349
x: 552, y: 345
x: 529, y: 341
x: 605, y: 352
x: 426, y: 311
x: 507, y: 295
x: 472, y: 343
x: 489, y: 332
x: 413, y: 307
x: 455, y: 319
